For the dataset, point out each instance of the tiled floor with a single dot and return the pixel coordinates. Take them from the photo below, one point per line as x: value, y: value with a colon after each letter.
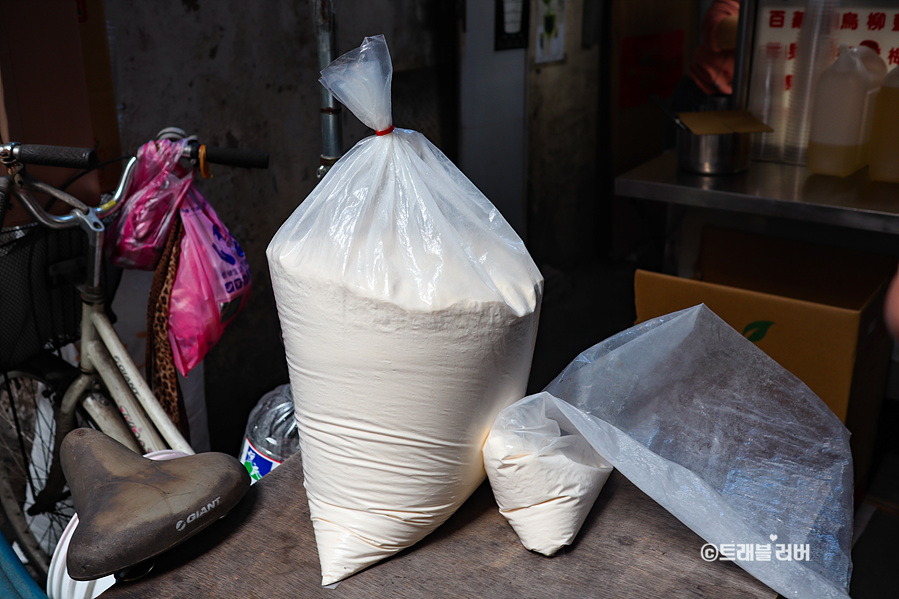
x: 583, y: 306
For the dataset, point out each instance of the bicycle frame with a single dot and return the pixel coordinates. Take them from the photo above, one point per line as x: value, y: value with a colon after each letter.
x: 104, y: 356
x: 137, y: 420
x: 102, y: 352
x: 108, y: 387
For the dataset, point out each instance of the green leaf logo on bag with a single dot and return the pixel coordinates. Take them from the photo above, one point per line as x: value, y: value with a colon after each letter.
x: 756, y: 331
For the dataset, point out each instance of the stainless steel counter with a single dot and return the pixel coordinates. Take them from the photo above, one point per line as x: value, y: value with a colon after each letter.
x: 770, y: 189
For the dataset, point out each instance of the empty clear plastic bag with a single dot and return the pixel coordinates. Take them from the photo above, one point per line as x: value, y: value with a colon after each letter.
x: 723, y: 437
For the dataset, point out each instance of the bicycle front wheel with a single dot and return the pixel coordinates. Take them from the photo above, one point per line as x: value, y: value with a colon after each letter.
x: 28, y: 427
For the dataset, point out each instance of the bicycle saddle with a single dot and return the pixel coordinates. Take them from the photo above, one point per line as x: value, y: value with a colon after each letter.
x: 131, y: 508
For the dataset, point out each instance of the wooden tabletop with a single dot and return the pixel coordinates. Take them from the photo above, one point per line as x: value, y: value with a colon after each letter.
x: 629, y: 547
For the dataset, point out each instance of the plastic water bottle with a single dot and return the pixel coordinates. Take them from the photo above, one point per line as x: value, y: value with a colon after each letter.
x: 271, y: 436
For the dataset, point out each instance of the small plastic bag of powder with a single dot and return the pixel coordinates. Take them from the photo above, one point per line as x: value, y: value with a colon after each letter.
x: 408, y: 309
x: 545, y: 476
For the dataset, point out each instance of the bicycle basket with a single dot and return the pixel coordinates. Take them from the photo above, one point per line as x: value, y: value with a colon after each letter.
x: 40, y: 307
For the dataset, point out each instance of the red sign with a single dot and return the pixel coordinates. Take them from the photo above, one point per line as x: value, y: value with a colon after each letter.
x: 893, y: 56
x: 877, y: 21
x: 777, y: 19
x: 849, y: 21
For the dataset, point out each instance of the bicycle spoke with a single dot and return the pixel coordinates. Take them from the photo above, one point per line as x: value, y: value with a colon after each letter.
x: 27, y: 431
x: 18, y: 446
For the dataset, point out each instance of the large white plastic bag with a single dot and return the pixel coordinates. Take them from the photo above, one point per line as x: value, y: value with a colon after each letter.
x: 724, y: 438
x: 408, y: 309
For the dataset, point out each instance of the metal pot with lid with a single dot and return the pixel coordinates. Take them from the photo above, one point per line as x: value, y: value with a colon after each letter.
x: 716, y: 142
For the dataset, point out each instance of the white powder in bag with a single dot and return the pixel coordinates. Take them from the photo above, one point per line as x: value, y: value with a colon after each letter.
x: 393, y: 407
x: 544, y: 482
x: 408, y: 309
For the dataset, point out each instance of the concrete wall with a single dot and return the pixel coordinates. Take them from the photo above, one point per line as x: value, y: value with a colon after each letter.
x: 493, y: 119
x: 563, y: 128
x: 245, y: 74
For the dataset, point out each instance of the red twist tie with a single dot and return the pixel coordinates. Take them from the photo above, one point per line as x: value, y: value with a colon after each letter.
x: 385, y: 131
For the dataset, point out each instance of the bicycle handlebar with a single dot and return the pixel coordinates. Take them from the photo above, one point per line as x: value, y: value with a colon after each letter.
x: 43, y: 155
x: 229, y: 156
x: 14, y: 156
x: 86, y: 158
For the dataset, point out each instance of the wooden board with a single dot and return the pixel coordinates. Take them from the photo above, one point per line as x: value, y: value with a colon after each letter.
x: 629, y: 547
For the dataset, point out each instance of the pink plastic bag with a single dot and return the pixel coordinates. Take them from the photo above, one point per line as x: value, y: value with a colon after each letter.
x: 211, y: 286
x: 157, y: 189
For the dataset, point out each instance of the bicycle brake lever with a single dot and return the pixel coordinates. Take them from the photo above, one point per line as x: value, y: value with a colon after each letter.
x: 15, y: 173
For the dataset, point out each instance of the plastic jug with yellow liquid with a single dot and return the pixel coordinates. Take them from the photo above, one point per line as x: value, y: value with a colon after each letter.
x: 883, y: 150
x: 841, y: 113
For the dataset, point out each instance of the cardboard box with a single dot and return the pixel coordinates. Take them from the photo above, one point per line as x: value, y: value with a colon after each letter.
x: 817, y: 310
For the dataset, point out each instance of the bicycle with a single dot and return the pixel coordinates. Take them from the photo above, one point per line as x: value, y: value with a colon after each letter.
x: 43, y: 397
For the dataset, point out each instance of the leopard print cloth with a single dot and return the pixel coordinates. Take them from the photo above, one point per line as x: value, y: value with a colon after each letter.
x: 161, y: 372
